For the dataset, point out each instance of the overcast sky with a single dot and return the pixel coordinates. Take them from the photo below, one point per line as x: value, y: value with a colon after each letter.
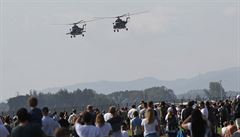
x: 176, y: 39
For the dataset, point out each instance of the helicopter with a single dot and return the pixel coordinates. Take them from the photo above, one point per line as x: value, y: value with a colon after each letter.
x: 76, y: 30
x: 120, y: 23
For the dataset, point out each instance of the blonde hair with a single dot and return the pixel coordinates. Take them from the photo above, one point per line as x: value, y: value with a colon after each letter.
x: 149, y: 114
x: 100, y: 120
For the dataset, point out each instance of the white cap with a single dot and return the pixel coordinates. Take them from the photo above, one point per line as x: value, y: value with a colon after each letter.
x: 238, y: 97
x: 170, y: 109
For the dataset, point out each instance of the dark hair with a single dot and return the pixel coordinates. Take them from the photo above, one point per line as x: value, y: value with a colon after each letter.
x: 45, y: 110
x: 61, y: 132
x: 23, y: 115
x: 133, y: 106
x: 74, y: 110
x: 198, y: 124
x: 7, y: 119
x: 150, y: 104
x: 145, y: 104
x: 61, y: 115
x: 32, y: 101
x: 135, y: 113
x: 100, y: 120
x: 87, y: 117
x: 112, y: 109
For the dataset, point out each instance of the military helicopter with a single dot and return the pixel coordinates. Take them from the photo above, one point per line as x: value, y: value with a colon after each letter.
x: 76, y: 30
x: 119, y: 23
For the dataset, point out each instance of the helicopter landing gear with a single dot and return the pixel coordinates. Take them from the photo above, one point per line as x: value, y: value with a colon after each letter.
x: 74, y: 36
x: 126, y: 29
x: 114, y: 30
x: 117, y: 30
x: 83, y: 35
x: 70, y: 36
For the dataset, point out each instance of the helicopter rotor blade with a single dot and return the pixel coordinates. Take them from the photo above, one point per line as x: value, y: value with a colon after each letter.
x: 137, y: 13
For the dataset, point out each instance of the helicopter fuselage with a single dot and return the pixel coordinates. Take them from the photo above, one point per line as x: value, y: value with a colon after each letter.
x: 120, y: 24
x: 77, y: 31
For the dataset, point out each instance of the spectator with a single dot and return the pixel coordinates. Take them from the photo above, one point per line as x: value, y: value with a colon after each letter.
x: 87, y: 130
x: 3, y: 130
x: 142, y: 111
x: 62, y: 132
x: 150, y: 124
x: 116, y: 122
x: 135, y: 125
x: 35, y: 113
x: 197, y: 125
x: 25, y: 128
x: 105, y: 127
x: 172, y: 123
x: 224, y: 129
x: 72, y: 117
x: 7, y: 122
x: 48, y: 124
x: 130, y: 112
x: 124, y: 130
x: 63, y: 122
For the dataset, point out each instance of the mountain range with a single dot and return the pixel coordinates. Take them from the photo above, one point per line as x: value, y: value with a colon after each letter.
x: 230, y: 79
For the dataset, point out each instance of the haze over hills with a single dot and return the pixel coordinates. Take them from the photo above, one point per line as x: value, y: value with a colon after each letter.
x: 230, y: 81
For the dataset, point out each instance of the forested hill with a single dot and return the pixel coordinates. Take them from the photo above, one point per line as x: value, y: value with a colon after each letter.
x: 230, y: 80
x: 64, y: 99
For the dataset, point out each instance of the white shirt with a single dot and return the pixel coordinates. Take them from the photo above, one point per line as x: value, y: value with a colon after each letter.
x: 149, y: 128
x: 107, y: 116
x: 130, y: 112
x: 124, y: 133
x: 87, y: 131
x: 205, y: 112
x: 224, y: 129
x: 105, y: 129
x: 70, y: 119
x: 142, y: 113
x: 49, y: 125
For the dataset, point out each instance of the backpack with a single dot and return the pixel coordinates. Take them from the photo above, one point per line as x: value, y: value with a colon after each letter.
x: 137, y: 130
x: 172, y: 124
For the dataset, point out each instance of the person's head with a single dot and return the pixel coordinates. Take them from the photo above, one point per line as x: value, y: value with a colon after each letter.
x: 23, y: 115
x: 145, y: 105
x: 74, y: 111
x: 198, y: 123
x: 202, y: 104
x: 89, y: 108
x: 190, y: 104
x: 33, y: 102
x: 231, y: 122
x: 163, y: 104
x: 208, y: 104
x: 100, y: 120
x: 45, y: 111
x: 124, y: 126
x: 225, y: 124
x: 7, y: 119
x: 61, y: 115
x: 150, y: 104
x: 112, y: 110
x: 133, y: 106
x: 87, y: 117
x: 149, y: 115
x: 62, y: 132
x: 135, y: 114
